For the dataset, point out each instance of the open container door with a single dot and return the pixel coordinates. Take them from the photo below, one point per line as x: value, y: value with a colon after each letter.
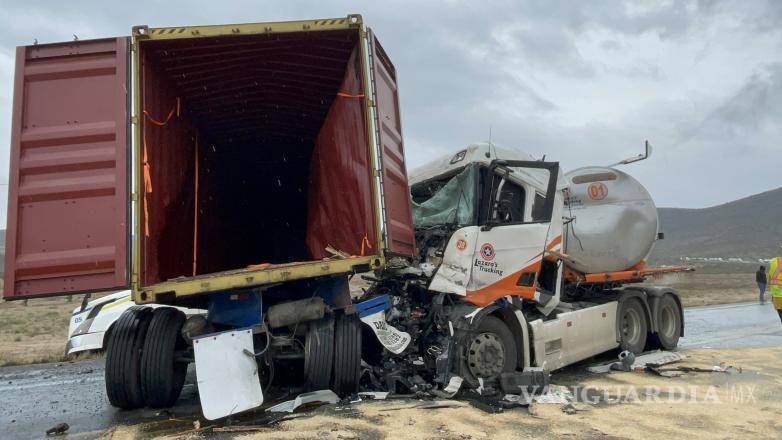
x: 400, y: 235
x: 68, y: 206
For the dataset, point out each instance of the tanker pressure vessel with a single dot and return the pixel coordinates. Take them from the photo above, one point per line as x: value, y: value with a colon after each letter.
x: 614, y: 220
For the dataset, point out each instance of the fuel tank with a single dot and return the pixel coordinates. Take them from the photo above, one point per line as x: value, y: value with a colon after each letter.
x: 614, y: 220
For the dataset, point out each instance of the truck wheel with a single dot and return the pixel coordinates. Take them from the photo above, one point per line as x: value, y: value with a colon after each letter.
x: 319, y: 354
x: 347, y: 355
x: 162, y: 375
x: 669, y: 323
x: 123, y: 358
x: 632, y: 325
x: 489, y: 352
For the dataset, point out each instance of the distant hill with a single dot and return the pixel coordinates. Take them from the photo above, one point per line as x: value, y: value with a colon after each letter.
x: 748, y: 228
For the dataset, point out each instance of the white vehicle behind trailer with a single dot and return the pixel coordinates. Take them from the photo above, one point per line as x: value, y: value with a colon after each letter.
x: 92, y: 321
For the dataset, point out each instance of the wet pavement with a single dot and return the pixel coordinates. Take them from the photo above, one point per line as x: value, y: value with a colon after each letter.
x: 732, y: 326
x: 34, y: 398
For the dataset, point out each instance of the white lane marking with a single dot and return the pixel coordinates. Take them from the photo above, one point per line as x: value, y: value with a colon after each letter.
x: 45, y: 383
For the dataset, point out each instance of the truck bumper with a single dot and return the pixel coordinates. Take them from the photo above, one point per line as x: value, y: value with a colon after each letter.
x: 85, y: 342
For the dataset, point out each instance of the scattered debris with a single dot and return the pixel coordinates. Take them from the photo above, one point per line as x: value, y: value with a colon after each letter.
x: 322, y: 396
x: 678, y: 371
x: 532, y: 380
x: 429, y: 405
x: 373, y: 395
x: 576, y: 407
x: 626, y: 361
x: 58, y: 429
x: 249, y: 428
x: 556, y: 395
x: 640, y: 362
x: 454, y: 384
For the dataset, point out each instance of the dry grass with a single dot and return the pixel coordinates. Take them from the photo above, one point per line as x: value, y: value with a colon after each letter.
x: 702, y: 289
x: 36, y: 332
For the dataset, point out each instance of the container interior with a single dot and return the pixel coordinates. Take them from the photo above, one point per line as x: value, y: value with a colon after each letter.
x: 254, y: 152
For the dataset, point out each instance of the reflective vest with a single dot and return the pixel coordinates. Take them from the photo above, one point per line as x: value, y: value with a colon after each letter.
x: 775, y: 277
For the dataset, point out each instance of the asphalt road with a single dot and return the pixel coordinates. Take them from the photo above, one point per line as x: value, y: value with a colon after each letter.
x: 34, y: 398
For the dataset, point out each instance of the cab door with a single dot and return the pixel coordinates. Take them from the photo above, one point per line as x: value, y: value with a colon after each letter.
x: 519, y: 202
x: 68, y: 208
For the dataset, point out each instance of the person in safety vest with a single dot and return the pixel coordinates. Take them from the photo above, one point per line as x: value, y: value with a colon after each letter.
x: 775, y: 283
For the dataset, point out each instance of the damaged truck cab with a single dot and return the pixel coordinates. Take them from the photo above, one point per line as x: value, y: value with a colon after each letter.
x: 493, y: 299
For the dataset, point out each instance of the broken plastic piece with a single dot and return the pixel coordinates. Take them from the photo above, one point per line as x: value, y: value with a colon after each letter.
x: 653, y: 358
x: 555, y: 395
x: 58, y: 429
x: 321, y: 396
x: 454, y: 384
x: 373, y: 395
x: 533, y: 380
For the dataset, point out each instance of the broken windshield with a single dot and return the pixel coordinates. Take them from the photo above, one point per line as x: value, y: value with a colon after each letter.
x: 449, y: 200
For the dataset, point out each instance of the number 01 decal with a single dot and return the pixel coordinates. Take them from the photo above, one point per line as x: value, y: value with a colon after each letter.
x: 597, y: 191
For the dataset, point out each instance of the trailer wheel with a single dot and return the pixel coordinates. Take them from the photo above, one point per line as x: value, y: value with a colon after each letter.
x: 123, y: 358
x: 347, y: 355
x: 162, y: 374
x: 489, y: 351
x: 669, y: 323
x: 632, y: 325
x: 319, y: 354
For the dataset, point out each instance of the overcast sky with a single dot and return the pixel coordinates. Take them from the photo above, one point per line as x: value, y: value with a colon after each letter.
x: 582, y: 82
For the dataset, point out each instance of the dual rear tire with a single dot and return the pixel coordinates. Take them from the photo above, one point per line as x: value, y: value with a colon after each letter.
x: 635, y: 333
x: 332, y: 354
x: 123, y: 358
x: 142, y: 358
x: 668, y: 315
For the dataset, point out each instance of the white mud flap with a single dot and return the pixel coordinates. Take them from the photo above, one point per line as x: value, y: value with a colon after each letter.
x: 372, y: 313
x: 227, y: 375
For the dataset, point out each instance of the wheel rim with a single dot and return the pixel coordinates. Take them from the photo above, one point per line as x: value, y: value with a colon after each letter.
x: 667, y: 322
x: 631, y: 326
x: 486, y: 355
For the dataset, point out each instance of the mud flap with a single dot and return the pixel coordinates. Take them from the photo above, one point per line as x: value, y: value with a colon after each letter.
x: 372, y: 313
x: 227, y: 373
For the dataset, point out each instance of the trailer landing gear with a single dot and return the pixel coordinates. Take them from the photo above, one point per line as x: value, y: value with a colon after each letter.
x: 145, y: 361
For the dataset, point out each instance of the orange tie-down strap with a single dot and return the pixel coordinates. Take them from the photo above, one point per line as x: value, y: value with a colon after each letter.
x: 174, y: 109
x: 348, y: 95
x: 147, y: 188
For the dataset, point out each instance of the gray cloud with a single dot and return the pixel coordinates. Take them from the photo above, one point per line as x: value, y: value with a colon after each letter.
x: 583, y: 82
